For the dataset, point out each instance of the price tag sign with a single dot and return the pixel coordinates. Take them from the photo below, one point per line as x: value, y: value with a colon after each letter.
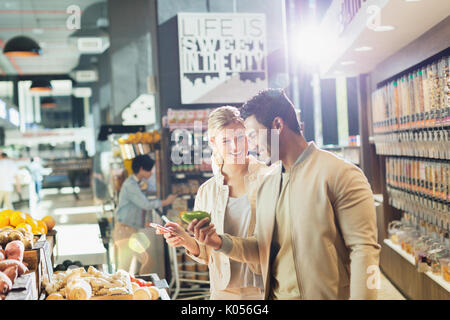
x: 45, y: 251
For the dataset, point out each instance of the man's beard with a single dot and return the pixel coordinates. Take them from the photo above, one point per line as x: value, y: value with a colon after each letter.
x: 264, y: 155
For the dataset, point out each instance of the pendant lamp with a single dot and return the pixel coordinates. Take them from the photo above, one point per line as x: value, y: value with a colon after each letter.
x: 41, y: 85
x: 48, y: 103
x: 22, y: 46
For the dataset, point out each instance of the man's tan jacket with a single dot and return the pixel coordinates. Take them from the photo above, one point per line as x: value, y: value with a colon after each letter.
x: 333, y: 228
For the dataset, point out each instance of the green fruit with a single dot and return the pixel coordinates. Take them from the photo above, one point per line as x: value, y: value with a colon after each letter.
x: 188, y: 217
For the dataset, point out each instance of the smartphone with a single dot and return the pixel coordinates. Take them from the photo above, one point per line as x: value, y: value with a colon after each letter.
x: 160, y: 228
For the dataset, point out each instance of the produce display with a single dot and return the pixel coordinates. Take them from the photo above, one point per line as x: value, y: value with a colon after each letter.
x: 79, y: 284
x: 16, y: 225
x: 143, y: 290
x: 141, y: 137
x: 68, y: 264
x: 11, y: 266
x: 19, y: 220
x: 8, y: 235
x: 189, y: 216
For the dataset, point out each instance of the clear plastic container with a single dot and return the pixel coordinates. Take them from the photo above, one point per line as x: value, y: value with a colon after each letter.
x: 393, y: 229
x: 445, y: 268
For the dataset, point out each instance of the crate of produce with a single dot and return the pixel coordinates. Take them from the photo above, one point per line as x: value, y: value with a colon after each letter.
x: 92, y: 284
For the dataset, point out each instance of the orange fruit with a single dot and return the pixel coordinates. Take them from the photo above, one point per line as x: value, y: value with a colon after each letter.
x: 33, y: 223
x: 49, y: 221
x: 17, y: 218
x: 4, y: 220
x: 37, y: 231
x: 43, y: 230
x: 7, y: 212
x: 26, y: 226
x: 42, y: 226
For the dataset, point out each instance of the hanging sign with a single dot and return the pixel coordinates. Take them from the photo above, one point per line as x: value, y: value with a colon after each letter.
x: 223, y: 57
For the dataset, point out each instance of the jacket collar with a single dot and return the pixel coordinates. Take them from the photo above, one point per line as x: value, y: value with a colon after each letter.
x: 306, y: 153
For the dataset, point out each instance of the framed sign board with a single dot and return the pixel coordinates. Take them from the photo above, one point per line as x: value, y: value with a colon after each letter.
x: 223, y: 57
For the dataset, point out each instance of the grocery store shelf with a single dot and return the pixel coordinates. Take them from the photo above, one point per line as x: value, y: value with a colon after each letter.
x: 438, y: 279
x: 444, y: 284
x: 400, y: 251
x: 187, y: 126
x: 185, y: 175
x: 439, y: 126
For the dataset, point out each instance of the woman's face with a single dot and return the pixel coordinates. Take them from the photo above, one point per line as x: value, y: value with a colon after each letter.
x: 231, y: 143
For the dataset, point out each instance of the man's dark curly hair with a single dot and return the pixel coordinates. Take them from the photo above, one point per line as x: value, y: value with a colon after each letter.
x: 269, y: 104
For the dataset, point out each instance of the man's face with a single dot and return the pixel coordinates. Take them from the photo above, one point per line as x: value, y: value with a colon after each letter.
x: 259, y: 137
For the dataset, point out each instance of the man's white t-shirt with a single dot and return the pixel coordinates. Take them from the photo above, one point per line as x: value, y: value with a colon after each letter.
x: 8, y: 172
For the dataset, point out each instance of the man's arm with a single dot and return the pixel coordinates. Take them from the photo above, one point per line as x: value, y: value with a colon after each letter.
x: 355, y: 212
x: 241, y: 249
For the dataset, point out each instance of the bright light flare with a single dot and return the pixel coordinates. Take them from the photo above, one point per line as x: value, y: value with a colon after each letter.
x: 139, y: 242
x: 313, y: 44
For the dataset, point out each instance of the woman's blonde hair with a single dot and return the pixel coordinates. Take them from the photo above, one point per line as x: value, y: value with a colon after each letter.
x: 218, y: 120
x: 222, y: 117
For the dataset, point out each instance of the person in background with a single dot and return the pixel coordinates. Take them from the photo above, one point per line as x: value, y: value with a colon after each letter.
x: 74, y: 178
x: 131, y: 216
x: 230, y: 198
x: 37, y: 172
x: 150, y: 183
x: 9, y: 177
x: 316, y: 230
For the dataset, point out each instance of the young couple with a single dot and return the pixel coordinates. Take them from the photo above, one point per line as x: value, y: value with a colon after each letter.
x: 303, y: 228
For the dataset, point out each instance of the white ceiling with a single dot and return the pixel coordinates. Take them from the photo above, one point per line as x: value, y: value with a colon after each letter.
x: 45, y: 22
x: 411, y: 19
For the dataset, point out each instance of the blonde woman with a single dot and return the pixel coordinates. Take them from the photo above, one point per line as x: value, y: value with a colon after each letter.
x: 229, y: 196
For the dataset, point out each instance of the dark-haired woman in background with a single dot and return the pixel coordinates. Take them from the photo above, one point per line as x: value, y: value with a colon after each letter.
x: 130, y: 217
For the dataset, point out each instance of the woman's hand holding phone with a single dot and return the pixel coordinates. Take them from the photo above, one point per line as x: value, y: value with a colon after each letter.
x: 178, y: 237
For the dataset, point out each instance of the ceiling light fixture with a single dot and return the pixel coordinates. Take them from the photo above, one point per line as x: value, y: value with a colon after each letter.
x: 21, y: 46
x: 41, y: 85
x: 48, y: 103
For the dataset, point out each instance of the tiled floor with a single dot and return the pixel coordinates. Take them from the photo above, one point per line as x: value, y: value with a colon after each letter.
x: 68, y: 211
x: 388, y: 291
x: 55, y: 200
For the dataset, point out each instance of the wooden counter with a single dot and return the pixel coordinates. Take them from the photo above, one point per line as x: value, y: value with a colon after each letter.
x: 399, y: 267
